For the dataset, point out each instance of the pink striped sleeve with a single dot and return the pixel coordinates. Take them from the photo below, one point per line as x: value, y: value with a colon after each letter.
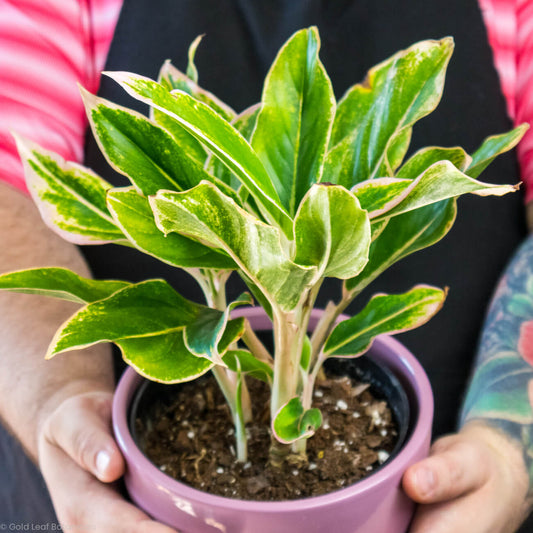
x: 524, y: 91
x: 510, y: 29
x: 46, y: 47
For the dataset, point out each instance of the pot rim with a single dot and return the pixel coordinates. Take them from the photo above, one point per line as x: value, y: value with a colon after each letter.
x: 403, y: 365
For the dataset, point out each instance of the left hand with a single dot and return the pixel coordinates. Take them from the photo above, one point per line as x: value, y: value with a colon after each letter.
x: 474, y: 481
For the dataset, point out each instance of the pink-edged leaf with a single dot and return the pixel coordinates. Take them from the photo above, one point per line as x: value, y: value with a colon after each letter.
x: 384, y: 314
x: 70, y: 197
x: 440, y: 181
x: 293, y: 422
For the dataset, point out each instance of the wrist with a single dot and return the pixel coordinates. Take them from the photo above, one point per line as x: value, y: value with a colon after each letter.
x: 508, y: 458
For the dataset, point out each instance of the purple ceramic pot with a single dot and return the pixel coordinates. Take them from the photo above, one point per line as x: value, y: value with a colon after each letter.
x: 373, y: 505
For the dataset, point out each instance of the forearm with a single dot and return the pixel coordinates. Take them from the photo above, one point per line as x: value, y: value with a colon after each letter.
x: 501, y: 390
x: 31, y: 387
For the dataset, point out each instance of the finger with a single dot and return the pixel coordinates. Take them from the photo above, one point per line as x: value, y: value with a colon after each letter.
x: 81, y: 427
x: 480, y: 512
x: 84, y: 505
x: 455, y: 468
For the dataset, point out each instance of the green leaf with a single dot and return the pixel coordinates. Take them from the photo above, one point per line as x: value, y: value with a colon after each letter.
x: 248, y: 364
x: 305, y: 358
x: 396, y: 152
x: 212, y: 333
x: 215, y: 133
x: 404, y: 235
x: 147, y: 322
x: 143, y: 309
x: 332, y: 232
x: 140, y: 150
x: 192, y: 71
x: 257, y: 294
x: 205, y: 214
x: 70, y: 197
x: 174, y: 80
x: 184, y: 139
x: 134, y: 216
x: 430, y: 155
x: 376, y: 194
x: 294, y: 124
x: 292, y: 422
x: 244, y: 123
x: 59, y: 283
x: 493, y: 147
x: 384, y: 314
x: 163, y: 358
x: 372, y: 117
x: 439, y: 182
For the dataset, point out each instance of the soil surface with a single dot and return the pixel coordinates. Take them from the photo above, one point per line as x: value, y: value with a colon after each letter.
x: 192, y: 439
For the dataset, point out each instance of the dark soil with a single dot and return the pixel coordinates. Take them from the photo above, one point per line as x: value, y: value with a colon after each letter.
x: 192, y: 440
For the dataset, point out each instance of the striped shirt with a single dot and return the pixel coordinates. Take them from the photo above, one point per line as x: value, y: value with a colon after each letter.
x: 48, y: 46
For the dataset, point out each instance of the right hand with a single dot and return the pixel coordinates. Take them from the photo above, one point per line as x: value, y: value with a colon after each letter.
x: 80, y: 460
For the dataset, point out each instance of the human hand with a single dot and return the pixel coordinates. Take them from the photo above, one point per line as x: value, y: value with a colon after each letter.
x: 474, y: 481
x: 80, y: 460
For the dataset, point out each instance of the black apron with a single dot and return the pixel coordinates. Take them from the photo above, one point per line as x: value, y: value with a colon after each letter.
x: 242, y: 38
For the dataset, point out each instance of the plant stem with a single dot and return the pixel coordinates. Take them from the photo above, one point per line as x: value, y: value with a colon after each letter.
x: 290, y: 329
x: 232, y: 386
x: 257, y: 348
x: 228, y: 383
x: 327, y: 322
x: 285, y: 369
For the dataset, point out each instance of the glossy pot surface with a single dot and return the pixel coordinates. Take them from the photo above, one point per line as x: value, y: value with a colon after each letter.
x: 374, y: 504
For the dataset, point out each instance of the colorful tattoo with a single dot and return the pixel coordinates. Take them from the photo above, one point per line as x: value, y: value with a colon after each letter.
x: 501, y: 390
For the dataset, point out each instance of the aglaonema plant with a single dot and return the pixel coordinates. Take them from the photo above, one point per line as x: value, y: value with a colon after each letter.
x: 286, y: 193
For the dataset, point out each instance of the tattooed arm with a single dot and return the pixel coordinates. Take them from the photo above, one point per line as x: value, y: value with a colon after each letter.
x: 480, y: 480
x: 501, y: 391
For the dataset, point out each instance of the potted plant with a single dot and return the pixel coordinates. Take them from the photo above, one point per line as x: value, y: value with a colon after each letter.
x: 289, y: 192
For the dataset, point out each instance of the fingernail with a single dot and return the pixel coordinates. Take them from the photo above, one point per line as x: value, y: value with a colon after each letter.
x: 102, y: 462
x: 425, y: 481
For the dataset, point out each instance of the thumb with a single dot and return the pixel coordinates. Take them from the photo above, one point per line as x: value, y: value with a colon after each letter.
x: 454, y: 468
x: 81, y: 427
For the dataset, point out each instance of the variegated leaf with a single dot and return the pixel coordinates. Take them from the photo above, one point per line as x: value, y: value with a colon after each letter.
x: 293, y: 422
x: 212, y: 333
x: 244, y: 123
x: 294, y: 124
x: 70, y: 197
x: 374, y: 195
x: 192, y: 71
x: 430, y: 155
x: 134, y: 216
x: 374, y: 115
x: 402, y: 236
x: 59, y: 283
x: 493, y: 147
x: 143, y: 309
x: 384, y: 314
x: 331, y: 232
x: 163, y: 357
x: 244, y: 361
x: 183, y: 138
x: 140, y: 150
x: 147, y: 321
x: 173, y: 79
x: 439, y: 182
x: 396, y: 152
x: 205, y: 214
x: 217, y: 135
